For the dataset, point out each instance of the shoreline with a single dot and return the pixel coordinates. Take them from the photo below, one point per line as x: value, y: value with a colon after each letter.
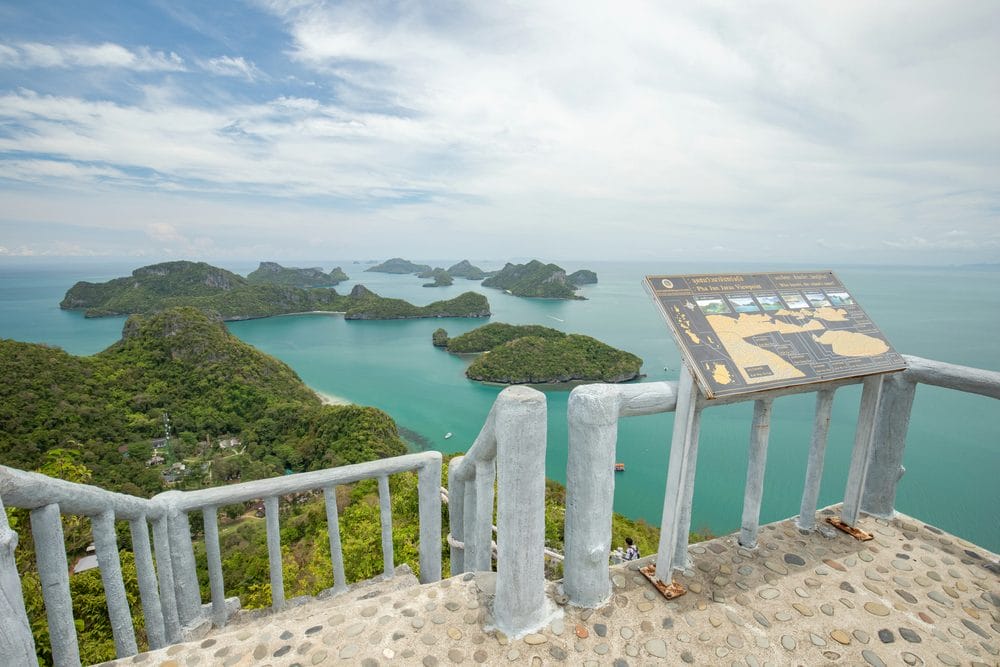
x: 331, y: 399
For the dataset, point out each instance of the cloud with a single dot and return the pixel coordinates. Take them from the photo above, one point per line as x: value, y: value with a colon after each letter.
x: 868, y: 127
x: 30, y: 55
x: 164, y: 232
x: 230, y: 66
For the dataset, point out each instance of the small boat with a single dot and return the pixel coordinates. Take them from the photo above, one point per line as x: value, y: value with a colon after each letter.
x: 448, y: 435
x: 619, y: 467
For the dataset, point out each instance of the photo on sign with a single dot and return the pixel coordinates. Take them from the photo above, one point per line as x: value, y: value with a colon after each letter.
x: 744, y: 304
x: 770, y: 302
x: 817, y: 299
x: 841, y: 298
x: 794, y: 300
x: 713, y: 306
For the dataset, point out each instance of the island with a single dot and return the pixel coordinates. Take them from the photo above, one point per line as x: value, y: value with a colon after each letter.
x: 469, y: 271
x: 272, y: 273
x: 534, y: 279
x: 441, y: 278
x: 532, y: 354
x: 582, y: 277
x: 209, y: 288
x: 398, y: 265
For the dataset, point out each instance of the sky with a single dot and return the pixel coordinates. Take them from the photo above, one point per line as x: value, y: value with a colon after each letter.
x: 798, y: 131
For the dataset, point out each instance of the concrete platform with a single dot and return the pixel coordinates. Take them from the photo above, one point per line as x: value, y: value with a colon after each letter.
x: 913, y: 595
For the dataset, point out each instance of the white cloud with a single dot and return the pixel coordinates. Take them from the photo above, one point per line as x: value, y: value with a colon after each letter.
x: 867, y: 127
x: 28, y: 55
x: 230, y: 66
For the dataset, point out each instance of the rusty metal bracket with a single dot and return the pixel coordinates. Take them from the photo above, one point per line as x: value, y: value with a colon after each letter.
x: 854, y: 532
x: 669, y: 591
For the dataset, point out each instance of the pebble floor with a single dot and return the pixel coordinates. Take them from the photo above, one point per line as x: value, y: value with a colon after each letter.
x: 911, y: 596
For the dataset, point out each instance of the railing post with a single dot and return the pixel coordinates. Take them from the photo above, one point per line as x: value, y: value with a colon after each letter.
x: 429, y: 509
x: 17, y: 643
x: 213, y: 555
x: 385, y: 519
x: 756, y: 465
x: 817, y: 452
x: 146, y: 575
x: 333, y: 531
x: 274, y: 553
x: 106, y: 546
x: 456, y: 517
x: 519, y: 605
x: 186, y: 588
x: 864, y: 439
x: 681, y: 560
x: 683, y: 448
x: 886, y: 467
x: 165, y: 576
x: 53, y: 573
x: 592, y: 416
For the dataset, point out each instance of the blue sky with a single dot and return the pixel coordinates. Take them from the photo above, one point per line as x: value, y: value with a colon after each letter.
x: 283, y: 129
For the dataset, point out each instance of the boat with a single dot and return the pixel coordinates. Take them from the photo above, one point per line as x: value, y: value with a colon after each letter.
x: 448, y: 435
x: 619, y: 467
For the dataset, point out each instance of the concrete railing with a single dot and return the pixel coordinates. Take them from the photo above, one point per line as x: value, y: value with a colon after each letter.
x: 876, y: 462
x: 510, y: 449
x: 170, y: 595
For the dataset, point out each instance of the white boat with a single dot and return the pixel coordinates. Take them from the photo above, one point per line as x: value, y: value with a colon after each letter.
x: 448, y: 435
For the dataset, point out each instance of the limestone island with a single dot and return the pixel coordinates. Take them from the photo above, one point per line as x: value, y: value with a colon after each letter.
x: 532, y: 354
x: 469, y: 271
x: 232, y: 297
x: 399, y: 266
x: 537, y: 280
x: 272, y: 273
x: 441, y: 278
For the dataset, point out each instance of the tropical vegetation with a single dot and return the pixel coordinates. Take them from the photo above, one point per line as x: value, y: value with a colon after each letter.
x: 533, y: 279
x: 272, y: 273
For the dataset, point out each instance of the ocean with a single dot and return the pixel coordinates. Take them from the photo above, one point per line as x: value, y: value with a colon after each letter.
x: 953, y: 448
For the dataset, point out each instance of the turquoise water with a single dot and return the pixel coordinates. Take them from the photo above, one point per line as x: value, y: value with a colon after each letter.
x: 953, y: 449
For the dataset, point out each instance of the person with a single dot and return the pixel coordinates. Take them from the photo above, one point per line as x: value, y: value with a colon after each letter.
x: 631, y: 551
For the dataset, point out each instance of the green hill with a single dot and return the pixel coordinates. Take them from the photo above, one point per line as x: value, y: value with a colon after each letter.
x: 465, y: 269
x: 374, y: 307
x: 398, y: 265
x: 441, y: 278
x: 537, y: 360
x: 272, y: 273
x: 489, y: 336
x: 533, y: 279
x: 183, y: 363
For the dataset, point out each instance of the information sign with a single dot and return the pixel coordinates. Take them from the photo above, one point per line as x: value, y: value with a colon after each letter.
x: 746, y: 332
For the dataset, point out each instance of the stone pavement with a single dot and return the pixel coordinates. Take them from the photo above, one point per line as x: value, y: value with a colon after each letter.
x: 912, y: 596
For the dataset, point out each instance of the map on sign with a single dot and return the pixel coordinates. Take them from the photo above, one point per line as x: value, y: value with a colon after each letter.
x: 747, y: 332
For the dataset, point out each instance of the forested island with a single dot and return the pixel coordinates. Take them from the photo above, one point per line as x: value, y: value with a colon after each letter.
x: 538, y: 280
x: 233, y: 297
x: 272, y: 273
x: 441, y: 278
x: 398, y: 265
x: 532, y: 354
x: 235, y: 414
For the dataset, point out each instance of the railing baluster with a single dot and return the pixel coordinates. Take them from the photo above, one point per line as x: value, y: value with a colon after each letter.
x: 216, y: 583
x: 817, y: 453
x: 274, y: 553
x: 429, y: 509
x: 385, y: 518
x: 456, y: 517
x: 186, y: 587
x: 146, y: 575
x: 864, y: 439
x: 886, y: 467
x: 756, y: 465
x: 680, y: 560
x: 165, y: 576
x: 469, y: 524
x: 333, y: 528
x: 16, y: 641
x: 483, y: 527
x: 682, y: 449
x: 106, y: 546
x: 53, y: 573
